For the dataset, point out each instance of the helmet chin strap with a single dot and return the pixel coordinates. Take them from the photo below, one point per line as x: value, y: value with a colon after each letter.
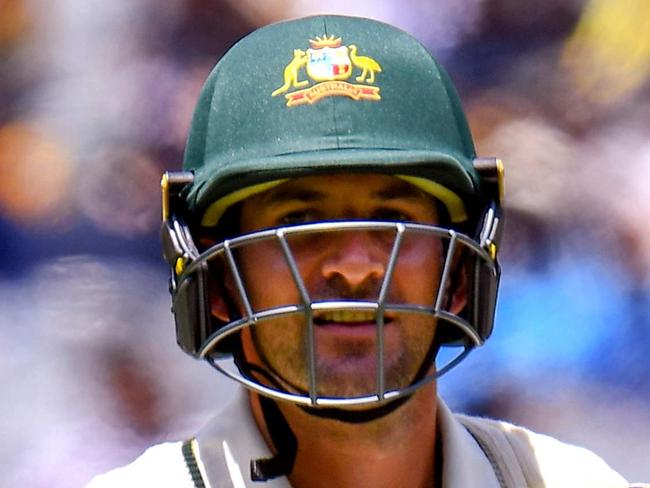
x: 284, y: 440
x: 280, y: 432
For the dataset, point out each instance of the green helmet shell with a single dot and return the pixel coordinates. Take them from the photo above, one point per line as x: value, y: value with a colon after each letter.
x: 327, y: 94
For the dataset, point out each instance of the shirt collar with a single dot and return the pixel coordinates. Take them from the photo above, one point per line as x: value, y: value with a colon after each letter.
x: 229, y: 442
x: 464, y: 463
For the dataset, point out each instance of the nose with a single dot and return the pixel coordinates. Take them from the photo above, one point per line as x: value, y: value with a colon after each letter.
x: 354, y: 260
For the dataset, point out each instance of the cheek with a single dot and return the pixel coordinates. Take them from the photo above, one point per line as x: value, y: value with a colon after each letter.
x: 266, y: 276
x: 417, y: 272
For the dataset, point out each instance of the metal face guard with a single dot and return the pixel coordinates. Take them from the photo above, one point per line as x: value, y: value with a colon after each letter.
x: 465, y: 330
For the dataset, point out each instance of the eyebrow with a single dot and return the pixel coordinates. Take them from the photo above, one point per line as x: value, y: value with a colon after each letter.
x: 400, y: 190
x: 288, y: 194
x: 392, y: 191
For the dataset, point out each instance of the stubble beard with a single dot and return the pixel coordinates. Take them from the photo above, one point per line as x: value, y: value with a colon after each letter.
x: 347, y: 372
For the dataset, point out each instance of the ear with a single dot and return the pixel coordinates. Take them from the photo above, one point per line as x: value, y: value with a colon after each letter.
x: 218, y: 306
x: 225, y: 301
x: 223, y: 305
x: 458, y: 291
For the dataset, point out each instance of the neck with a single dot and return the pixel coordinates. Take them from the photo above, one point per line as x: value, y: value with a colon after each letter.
x: 396, y: 450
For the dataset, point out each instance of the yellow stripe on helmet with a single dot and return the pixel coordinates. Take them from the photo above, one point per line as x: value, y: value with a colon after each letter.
x: 452, y: 202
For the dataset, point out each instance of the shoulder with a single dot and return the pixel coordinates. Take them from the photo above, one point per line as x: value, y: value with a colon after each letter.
x: 161, y: 465
x: 565, y: 463
x: 559, y: 464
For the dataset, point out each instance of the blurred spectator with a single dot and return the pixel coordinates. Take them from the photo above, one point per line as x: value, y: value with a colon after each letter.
x: 608, y: 55
x: 94, y: 375
x: 36, y: 182
x: 119, y: 192
x: 15, y: 22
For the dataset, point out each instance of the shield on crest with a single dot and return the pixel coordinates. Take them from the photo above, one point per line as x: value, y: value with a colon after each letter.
x: 329, y: 63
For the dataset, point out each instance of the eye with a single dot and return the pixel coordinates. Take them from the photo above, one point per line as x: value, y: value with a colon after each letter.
x: 301, y: 216
x: 392, y: 214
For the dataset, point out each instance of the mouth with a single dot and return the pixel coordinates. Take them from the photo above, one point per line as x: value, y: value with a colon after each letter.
x: 349, y: 318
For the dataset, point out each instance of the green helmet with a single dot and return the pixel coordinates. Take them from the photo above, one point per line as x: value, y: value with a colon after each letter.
x: 325, y: 94
x: 295, y: 98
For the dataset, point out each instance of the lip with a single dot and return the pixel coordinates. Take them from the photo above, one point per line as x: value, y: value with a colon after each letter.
x: 349, y: 318
x: 360, y: 329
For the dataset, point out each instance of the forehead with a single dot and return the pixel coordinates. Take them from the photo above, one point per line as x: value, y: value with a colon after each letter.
x: 340, y: 187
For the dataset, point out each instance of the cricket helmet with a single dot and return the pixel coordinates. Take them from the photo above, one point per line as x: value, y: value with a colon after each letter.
x: 324, y: 95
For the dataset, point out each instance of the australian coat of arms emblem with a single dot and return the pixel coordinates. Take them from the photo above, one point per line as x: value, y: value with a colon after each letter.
x: 328, y: 64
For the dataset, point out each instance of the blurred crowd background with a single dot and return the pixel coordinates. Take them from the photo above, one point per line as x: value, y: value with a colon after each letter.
x: 95, y: 102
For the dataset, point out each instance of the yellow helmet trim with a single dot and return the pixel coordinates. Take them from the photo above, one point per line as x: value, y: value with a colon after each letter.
x: 216, y: 210
x: 452, y: 202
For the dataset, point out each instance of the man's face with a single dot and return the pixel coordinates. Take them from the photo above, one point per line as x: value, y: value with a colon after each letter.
x: 348, y: 265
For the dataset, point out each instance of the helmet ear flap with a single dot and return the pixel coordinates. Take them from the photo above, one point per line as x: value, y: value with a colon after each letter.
x: 482, y: 285
x: 200, y: 301
x: 485, y: 275
x: 190, y: 297
x: 481, y: 269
